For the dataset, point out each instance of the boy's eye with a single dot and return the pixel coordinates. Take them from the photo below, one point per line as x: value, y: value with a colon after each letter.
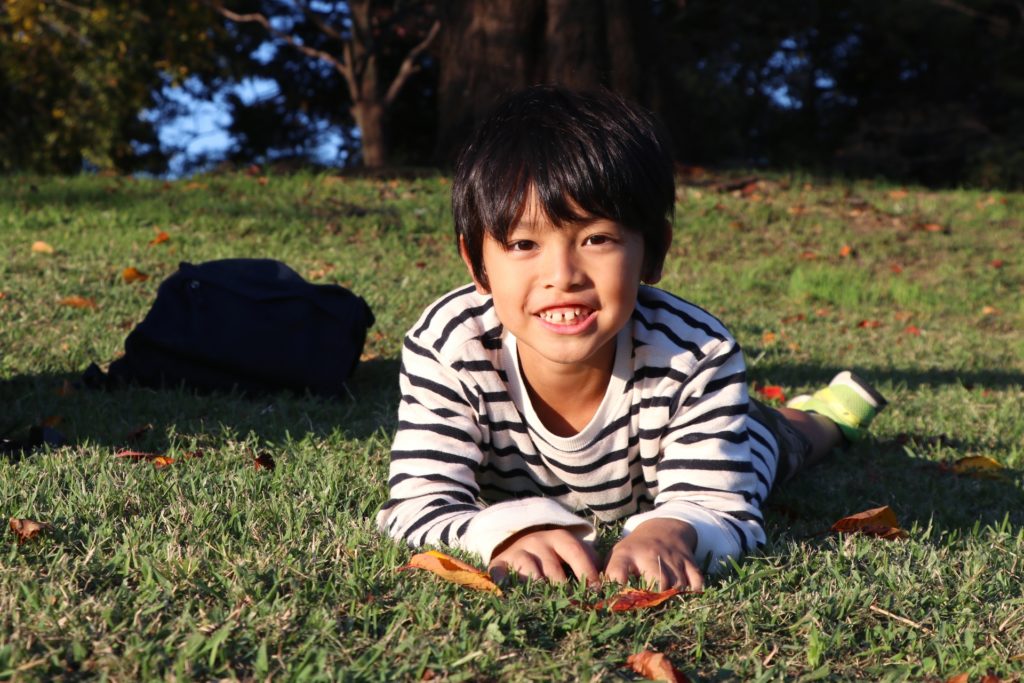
x: 521, y: 245
x: 596, y: 240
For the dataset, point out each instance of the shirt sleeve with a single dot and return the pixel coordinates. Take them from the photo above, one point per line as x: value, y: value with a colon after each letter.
x: 706, y: 471
x: 434, y: 496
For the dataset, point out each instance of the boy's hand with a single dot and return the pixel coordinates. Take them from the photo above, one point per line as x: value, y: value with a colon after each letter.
x: 660, y: 551
x: 542, y: 553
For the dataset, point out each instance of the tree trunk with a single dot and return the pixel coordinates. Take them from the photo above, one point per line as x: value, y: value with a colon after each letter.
x: 369, y: 118
x: 491, y: 47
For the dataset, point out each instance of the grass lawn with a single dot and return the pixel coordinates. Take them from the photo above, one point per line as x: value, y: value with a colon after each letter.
x: 211, y: 568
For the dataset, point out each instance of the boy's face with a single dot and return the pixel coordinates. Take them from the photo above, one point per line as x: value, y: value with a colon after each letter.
x: 563, y: 292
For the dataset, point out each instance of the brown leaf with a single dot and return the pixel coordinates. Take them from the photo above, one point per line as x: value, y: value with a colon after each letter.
x: 790, y: 319
x: 634, y: 598
x: 898, y: 194
x: 159, y: 460
x: 655, y: 666
x: 451, y: 569
x: 264, y: 461
x: 997, y: 263
x: 912, y: 330
x: 880, y: 522
x: 132, y: 274
x: 976, y: 466
x: 160, y: 238
x: 76, y: 301
x: 959, y: 678
x: 27, y: 529
x: 869, y: 324
x: 40, y: 247
x: 895, y: 268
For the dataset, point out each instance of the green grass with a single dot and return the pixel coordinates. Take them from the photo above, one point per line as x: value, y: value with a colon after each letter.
x: 211, y: 569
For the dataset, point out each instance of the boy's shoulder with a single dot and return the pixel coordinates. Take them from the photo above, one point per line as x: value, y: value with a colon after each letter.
x: 670, y: 325
x: 460, y: 317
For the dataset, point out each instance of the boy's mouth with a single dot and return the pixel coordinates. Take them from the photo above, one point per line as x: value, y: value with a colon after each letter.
x: 564, y: 315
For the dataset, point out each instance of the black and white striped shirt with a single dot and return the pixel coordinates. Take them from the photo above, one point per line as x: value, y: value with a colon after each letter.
x: 472, y: 464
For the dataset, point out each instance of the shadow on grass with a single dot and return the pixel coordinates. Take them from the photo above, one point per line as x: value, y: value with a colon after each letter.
x: 911, y: 378
x: 152, y: 419
x: 900, y: 472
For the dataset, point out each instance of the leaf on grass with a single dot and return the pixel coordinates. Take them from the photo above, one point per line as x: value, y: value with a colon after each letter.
x: 453, y: 570
x: 768, y: 338
x: 41, y: 247
x: 977, y: 466
x: 869, y: 324
x: 913, y: 330
x: 898, y: 194
x: 880, y: 522
x: 160, y: 238
x: 264, y: 461
x: 959, y: 678
x: 846, y: 251
x: 655, y: 666
x: 132, y: 274
x: 159, y: 460
x: 634, y: 598
x: 895, y: 268
x: 997, y: 263
x: 27, y: 529
x: 790, y: 319
x: 772, y: 392
x: 76, y: 301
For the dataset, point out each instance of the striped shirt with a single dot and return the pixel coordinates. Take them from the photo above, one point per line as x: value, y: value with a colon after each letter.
x: 472, y: 464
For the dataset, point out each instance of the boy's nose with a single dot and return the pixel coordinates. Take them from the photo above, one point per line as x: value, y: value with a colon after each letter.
x: 563, y: 269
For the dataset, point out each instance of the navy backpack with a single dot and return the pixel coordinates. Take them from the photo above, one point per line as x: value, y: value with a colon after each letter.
x: 248, y: 324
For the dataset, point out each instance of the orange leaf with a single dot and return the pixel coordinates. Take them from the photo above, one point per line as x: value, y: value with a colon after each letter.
x: 768, y: 338
x: 896, y: 268
x: 27, y: 529
x: 977, y: 466
x: 77, y: 302
x: 997, y: 263
x: 132, y: 274
x: 136, y: 455
x: 898, y: 194
x: 655, y: 666
x: 160, y: 238
x: 40, y: 247
x: 451, y: 569
x: 880, y: 522
x: 913, y: 329
x: 264, y: 461
x: 789, y: 319
x: 959, y: 678
x: 772, y: 392
x: 634, y: 598
x: 162, y: 461
x: 869, y: 324
x: 846, y: 251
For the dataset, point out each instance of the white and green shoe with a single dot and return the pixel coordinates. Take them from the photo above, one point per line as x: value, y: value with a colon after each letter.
x: 848, y: 401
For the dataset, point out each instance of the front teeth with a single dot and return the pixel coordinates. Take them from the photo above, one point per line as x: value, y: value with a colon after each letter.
x: 563, y: 315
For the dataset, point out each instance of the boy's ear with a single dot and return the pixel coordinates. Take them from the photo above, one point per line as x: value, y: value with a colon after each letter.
x: 653, y: 276
x: 481, y: 288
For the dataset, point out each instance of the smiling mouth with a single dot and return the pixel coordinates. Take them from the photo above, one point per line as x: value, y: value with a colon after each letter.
x: 568, y: 315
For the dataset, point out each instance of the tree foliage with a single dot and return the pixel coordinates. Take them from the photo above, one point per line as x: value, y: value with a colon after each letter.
x: 74, y: 79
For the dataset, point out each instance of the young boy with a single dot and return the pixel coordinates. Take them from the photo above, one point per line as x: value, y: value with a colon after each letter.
x: 560, y: 382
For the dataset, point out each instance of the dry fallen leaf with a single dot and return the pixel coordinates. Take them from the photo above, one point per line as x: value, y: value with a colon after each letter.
x: 898, y: 194
x: 768, y: 338
x: 27, y: 529
x: 634, y: 598
x: 880, y: 522
x: 959, y: 678
x: 132, y: 274
x: 869, y: 324
x: 159, y: 460
x: 845, y: 251
x: 453, y: 570
x: 895, y: 268
x: 76, y: 301
x: 40, y: 247
x: 772, y: 392
x: 160, y: 238
x: 977, y: 466
x: 997, y: 263
x: 655, y: 666
x: 912, y: 330
x: 264, y: 461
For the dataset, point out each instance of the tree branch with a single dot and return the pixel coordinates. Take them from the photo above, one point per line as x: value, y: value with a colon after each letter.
x: 409, y: 66
x: 340, y: 66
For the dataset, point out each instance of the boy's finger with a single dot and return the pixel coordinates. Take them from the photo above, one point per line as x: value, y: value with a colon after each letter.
x: 498, y: 571
x: 551, y: 568
x: 694, y: 577
x: 582, y: 560
x: 619, y: 569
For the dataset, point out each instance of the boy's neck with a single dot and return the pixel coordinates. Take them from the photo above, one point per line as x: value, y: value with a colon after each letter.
x: 566, y: 397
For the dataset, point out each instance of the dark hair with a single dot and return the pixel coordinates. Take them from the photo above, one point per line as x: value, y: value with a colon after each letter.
x: 587, y: 155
